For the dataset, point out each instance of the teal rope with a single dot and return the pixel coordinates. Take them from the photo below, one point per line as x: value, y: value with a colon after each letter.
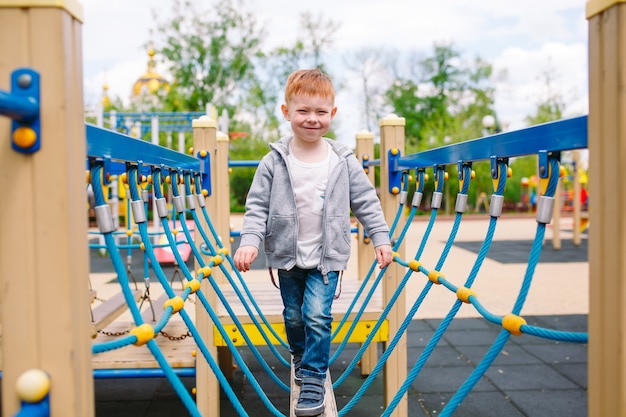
x: 238, y: 275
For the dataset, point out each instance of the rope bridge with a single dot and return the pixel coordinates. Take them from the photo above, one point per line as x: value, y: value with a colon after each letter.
x: 207, y: 245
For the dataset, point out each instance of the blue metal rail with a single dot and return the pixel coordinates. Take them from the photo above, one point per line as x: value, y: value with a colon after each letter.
x: 114, y: 146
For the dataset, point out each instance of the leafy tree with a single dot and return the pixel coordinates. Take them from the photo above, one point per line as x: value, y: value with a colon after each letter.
x: 443, y: 102
x: 209, y: 55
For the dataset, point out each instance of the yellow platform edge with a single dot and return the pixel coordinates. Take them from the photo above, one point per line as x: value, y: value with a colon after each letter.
x: 359, y: 334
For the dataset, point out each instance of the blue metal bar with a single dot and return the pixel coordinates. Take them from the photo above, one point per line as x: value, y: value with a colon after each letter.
x: 140, y: 373
x: 243, y: 163
x: 18, y: 108
x: 22, y: 103
x: 561, y: 135
x: 111, y: 145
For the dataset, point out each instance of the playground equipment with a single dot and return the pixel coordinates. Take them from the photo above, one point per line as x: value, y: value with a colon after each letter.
x: 49, y: 158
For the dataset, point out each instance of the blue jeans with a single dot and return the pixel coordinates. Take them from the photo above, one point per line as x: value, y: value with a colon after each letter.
x: 308, y: 319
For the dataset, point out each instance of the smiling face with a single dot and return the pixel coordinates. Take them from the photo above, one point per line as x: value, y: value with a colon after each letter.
x: 309, y: 116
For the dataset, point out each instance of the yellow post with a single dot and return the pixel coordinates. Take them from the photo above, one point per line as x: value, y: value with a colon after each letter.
x: 365, y: 252
x: 607, y: 239
x: 207, y: 386
x: 44, y: 265
x: 392, y: 137
x: 577, y: 203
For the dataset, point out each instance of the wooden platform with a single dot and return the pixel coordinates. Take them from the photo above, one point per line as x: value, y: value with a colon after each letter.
x: 179, y: 353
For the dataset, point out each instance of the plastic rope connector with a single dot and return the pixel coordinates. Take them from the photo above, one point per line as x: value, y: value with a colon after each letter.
x: 193, y: 285
x: 464, y: 294
x: 513, y: 324
x: 145, y: 195
x: 223, y: 251
x: 143, y: 333
x: 161, y: 206
x: 177, y: 303
x: 104, y: 218
x: 545, y: 208
x: 205, y: 271
x: 414, y: 265
x: 217, y: 260
x: 434, y: 276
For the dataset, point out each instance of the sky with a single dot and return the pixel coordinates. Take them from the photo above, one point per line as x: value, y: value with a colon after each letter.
x: 523, y: 40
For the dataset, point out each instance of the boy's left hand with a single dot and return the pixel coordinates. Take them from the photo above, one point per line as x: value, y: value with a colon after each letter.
x: 384, y: 255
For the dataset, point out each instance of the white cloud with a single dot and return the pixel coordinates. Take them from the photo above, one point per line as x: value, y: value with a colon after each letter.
x: 525, y: 38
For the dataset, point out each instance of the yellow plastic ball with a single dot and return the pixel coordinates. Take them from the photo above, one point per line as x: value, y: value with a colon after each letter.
x: 190, y: 151
x: 24, y: 137
x: 394, y: 151
x: 445, y: 175
x: 562, y: 171
x: 205, y: 192
x: 426, y: 177
x: 33, y: 385
x: 509, y: 172
x: 129, y: 233
x: 124, y: 178
x: 142, y: 246
x: 203, y: 153
x: 473, y: 174
x: 395, y: 190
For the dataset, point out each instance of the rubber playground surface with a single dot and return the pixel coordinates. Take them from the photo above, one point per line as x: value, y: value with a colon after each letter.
x: 531, y: 377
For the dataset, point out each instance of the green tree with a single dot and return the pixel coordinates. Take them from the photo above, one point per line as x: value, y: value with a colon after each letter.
x: 444, y: 102
x: 209, y: 55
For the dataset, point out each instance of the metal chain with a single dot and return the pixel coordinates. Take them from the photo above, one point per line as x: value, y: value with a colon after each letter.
x: 174, y: 338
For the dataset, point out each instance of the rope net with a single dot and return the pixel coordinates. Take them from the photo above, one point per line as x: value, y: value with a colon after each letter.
x: 210, y: 247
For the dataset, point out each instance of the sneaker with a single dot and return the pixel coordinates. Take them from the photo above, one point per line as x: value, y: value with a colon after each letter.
x: 311, y: 400
x: 297, y: 372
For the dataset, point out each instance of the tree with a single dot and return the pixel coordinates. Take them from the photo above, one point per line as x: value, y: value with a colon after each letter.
x: 443, y: 100
x: 208, y: 55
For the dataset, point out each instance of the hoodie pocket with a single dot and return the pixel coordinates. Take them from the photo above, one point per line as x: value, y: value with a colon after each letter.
x: 337, y: 237
x: 280, y: 240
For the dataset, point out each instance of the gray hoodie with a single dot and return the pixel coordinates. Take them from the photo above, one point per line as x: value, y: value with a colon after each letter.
x: 271, y: 209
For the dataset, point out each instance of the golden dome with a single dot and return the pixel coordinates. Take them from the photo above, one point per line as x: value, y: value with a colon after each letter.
x: 106, y: 101
x: 151, y: 81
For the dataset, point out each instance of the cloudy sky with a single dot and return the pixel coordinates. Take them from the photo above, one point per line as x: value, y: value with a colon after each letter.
x: 523, y: 40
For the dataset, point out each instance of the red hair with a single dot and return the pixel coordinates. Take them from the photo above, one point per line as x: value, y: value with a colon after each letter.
x: 309, y: 82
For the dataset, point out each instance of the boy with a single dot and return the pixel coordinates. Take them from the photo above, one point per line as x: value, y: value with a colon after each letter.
x: 299, y: 203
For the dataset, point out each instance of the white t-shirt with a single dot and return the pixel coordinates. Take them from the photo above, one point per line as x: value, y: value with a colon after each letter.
x: 309, y: 187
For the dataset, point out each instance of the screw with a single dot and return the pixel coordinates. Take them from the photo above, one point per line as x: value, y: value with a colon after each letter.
x: 24, y: 80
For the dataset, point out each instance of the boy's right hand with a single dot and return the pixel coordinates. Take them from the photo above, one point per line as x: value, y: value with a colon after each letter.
x: 244, y: 257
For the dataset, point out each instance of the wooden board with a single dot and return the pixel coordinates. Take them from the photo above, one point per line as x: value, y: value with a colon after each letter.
x: 330, y: 405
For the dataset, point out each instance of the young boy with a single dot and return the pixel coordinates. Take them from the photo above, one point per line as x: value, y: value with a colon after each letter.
x: 299, y: 204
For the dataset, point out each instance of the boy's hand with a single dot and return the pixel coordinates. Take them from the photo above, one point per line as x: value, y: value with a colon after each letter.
x: 244, y: 257
x: 384, y: 255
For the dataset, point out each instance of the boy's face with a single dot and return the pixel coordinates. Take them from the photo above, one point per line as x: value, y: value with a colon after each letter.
x: 309, y: 116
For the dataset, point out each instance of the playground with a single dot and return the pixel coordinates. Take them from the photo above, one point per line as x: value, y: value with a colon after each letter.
x: 479, y: 314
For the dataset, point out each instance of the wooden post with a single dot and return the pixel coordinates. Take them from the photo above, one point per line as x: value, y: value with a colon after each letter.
x: 44, y: 264
x: 221, y: 216
x: 365, y: 252
x: 207, y: 386
x: 392, y: 137
x: 607, y: 237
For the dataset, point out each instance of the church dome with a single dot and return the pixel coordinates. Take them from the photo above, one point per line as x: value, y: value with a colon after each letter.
x: 150, y: 82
